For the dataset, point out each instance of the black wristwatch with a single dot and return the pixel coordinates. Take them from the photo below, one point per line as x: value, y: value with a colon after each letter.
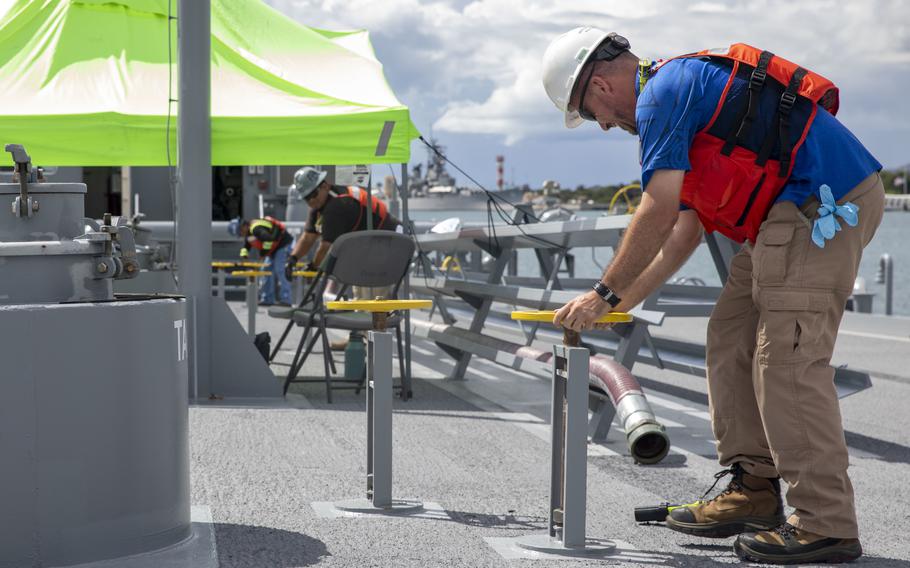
x: 606, y: 294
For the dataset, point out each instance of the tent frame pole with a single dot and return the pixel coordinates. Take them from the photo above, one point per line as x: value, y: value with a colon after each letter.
x: 403, y: 192
x: 194, y: 183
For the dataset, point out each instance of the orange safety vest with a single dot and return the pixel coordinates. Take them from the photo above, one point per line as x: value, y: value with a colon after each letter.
x: 743, y: 158
x: 269, y: 223
x: 379, y: 207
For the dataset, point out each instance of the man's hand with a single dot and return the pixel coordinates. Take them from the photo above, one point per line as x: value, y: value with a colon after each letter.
x: 290, y: 267
x: 581, y: 313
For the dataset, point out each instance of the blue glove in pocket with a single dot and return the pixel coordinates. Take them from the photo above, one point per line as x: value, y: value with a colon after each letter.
x: 826, y: 224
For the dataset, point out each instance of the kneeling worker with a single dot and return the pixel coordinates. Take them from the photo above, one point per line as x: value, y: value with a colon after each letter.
x: 270, y: 237
x: 334, y: 211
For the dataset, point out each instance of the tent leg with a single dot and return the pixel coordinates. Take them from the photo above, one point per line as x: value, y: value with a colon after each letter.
x: 403, y: 191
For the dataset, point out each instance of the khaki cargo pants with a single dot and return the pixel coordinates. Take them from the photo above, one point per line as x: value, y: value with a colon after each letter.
x: 771, y: 391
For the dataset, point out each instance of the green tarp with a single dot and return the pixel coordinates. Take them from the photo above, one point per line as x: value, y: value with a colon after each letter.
x: 86, y: 83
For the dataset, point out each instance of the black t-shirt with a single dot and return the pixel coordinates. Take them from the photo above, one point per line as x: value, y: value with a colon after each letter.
x: 339, y: 216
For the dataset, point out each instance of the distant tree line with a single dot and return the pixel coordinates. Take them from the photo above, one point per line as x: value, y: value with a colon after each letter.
x: 893, y: 180
x: 595, y: 193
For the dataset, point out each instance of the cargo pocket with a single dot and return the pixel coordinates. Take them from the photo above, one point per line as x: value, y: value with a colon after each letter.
x: 792, y: 338
x: 770, y: 254
x: 793, y: 327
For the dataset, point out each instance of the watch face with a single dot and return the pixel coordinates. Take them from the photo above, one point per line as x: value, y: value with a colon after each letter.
x: 608, y: 295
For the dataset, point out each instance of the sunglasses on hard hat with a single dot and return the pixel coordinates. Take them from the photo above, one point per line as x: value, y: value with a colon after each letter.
x: 609, y: 49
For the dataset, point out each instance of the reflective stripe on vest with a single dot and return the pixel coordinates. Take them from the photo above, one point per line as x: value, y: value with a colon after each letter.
x: 379, y: 207
x: 274, y: 226
x: 742, y: 159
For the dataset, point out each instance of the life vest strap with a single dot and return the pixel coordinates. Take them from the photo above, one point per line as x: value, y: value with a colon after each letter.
x: 787, y: 99
x: 378, y: 206
x: 748, y: 114
x: 773, y: 135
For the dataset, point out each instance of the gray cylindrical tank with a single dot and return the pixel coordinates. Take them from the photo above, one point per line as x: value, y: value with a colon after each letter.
x: 54, y: 278
x: 39, y: 271
x: 297, y: 210
x: 61, y: 209
x: 93, y: 431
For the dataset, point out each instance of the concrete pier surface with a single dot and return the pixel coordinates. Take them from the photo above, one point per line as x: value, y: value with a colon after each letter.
x: 479, y: 450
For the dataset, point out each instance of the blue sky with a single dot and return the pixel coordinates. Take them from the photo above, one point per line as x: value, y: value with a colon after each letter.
x: 470, y: 69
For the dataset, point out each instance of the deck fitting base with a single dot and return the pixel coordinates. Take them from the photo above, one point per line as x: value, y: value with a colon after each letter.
x: 549, y: 545
x: 398, y: 507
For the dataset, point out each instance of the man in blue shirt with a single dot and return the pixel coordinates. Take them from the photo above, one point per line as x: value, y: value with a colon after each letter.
x: 771, y: 335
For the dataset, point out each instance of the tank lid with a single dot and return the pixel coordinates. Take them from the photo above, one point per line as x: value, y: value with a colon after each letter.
x: 13, y: 188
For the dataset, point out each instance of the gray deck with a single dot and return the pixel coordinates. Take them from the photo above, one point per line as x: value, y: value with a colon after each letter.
x: 480, y: 449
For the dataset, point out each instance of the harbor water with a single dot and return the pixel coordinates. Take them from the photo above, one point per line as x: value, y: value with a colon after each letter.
x: 590, y: 262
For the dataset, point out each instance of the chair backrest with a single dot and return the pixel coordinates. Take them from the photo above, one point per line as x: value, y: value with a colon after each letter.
x: 370, y: 258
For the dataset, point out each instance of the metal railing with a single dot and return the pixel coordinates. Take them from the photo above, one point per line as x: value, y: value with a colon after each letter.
x: 474, y: 292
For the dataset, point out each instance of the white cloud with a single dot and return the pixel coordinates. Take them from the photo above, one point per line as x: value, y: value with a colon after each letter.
x: 708, y: 7
x: 499, y: 40
x: 473, y: 66
x: 514, y: 110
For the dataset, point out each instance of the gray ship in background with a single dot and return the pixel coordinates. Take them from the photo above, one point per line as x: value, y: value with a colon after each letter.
x: 432, y: 188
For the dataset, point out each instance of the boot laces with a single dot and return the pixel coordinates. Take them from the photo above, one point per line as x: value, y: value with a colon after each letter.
x: 734, y: 485
x: 786, y: 531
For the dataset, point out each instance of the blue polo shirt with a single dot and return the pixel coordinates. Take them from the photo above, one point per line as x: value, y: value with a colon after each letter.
x: 680, y: 99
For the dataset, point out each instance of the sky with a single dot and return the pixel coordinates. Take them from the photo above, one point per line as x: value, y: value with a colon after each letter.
x: 470, y: 70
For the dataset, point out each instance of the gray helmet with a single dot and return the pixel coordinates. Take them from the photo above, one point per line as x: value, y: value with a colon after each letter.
x: 306, y: 180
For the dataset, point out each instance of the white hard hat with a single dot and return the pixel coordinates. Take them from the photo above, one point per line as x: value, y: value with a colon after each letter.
x: 306, y: 180
x: 563, y: 61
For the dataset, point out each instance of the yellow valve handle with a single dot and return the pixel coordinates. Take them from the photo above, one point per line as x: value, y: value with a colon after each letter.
x: 379, y: 305
x: 622, y: 192
x: 234, y: 264
x: 456, y: 266
x: 250, y: 273
x: 547, y: 316
x: 305, y: 273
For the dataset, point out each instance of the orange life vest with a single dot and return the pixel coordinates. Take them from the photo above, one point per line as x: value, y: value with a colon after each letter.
x: 743, y: 158
x: 379, y: 207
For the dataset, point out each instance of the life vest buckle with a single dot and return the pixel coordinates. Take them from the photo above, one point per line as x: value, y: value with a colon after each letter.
x: 757, y: 79
x: 787, y: 100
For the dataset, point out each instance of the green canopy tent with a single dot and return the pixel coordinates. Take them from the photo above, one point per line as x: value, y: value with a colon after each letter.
x: 93, y: 83
x: 88, y: 83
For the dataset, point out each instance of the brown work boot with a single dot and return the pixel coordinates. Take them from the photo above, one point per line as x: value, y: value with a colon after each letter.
x: 787, y: 544
x: 748, y: 503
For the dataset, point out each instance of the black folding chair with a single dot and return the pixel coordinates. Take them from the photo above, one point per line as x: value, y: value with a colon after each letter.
x: 285, y: 312
x: 362, y: 258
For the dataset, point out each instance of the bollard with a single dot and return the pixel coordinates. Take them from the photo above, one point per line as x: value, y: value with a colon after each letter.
x: 379, y: 395
x: 296, y: 289
x: 252, y: 296
x: 220, y: 267
x: 568, y: 450
x: 220, y: 290
x: 885, y: 276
